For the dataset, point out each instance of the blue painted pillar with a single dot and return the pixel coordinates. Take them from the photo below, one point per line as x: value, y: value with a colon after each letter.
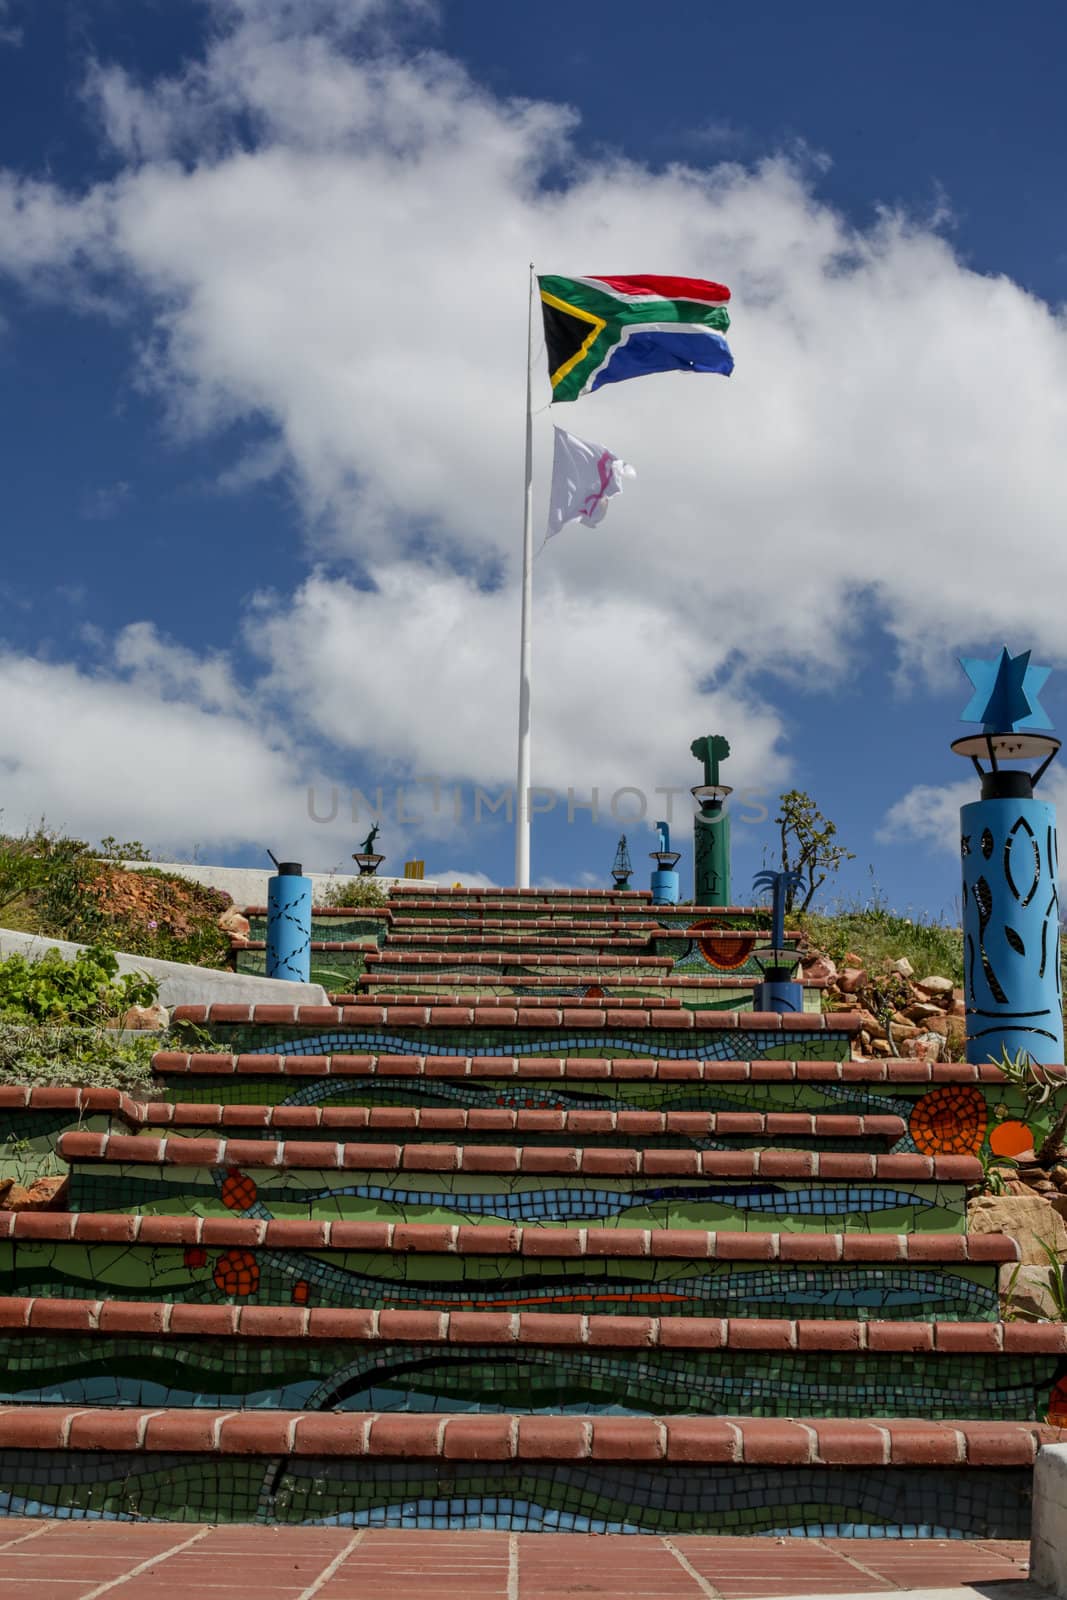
x: 666, y: 887
x: 778, y: 994
x: 289, y: 924
x: 1011, y: 935
x: 666, y: 884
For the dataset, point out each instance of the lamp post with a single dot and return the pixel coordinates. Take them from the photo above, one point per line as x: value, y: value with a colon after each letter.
x: 1011, y: 949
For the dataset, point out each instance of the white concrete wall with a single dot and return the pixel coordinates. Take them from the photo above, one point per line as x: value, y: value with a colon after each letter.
x: 179, y: 985
x: 1048, y: 1536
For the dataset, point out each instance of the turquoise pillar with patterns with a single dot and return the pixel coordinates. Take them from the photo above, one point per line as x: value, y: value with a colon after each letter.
x: 289, y: 924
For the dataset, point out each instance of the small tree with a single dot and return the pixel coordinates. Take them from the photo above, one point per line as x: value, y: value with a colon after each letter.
x: 808, y: 847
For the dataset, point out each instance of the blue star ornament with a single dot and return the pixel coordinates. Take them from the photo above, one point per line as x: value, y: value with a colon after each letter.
x: 1006, y: 690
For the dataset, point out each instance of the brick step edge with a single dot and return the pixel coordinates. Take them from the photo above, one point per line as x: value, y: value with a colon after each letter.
x: 744, y: 1441
x: 665, y: 1244
x: 452, y: 1119
x: 585, y: 1069
x: 369, y: 1015
x: 701, y: 984
x: 836, y: 1166
x: 163, y: 1319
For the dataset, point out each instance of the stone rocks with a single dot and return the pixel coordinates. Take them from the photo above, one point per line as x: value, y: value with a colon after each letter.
x: 233, y: 923
x: 820, y: 968
x: 928, y: 1047
x: 141, y: 1019
x: 935, y: 985
x: 904, y: 967
x: 45, y: 1194
x: 1025, y: 1218
x: 850, y: 979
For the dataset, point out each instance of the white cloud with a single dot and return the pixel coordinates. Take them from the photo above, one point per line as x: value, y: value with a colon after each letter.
x: 352, y: 279
x: 930, y: 814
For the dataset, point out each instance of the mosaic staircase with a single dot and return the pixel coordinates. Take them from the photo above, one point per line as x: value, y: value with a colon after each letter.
x: 533, y: 1261
x: 481, y: 944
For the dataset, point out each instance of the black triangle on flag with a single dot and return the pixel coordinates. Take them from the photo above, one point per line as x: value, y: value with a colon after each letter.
x: 565, y: 334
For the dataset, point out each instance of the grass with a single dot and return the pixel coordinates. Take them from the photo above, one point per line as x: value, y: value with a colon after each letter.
x: 878, y: 936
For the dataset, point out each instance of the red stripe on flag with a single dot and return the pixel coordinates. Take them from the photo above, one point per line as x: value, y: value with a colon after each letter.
x: 649, y: 283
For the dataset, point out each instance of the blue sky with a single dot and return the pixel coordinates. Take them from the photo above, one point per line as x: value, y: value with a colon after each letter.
x: 261, y: 327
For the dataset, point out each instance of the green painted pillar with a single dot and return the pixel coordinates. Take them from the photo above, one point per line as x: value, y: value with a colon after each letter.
x: 711, y: 826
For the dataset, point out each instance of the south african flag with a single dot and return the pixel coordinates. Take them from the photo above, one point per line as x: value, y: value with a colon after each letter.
x: 604, y: 329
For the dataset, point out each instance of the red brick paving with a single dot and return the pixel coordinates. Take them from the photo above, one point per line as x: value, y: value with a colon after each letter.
x: 49, y: 1560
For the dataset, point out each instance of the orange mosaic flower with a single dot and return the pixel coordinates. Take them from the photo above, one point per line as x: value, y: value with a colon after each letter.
x: 238, y: 1190
x: 725, y: 954
x: 1011, y: 1139
x: 950, y: 1120
x: 301, y: 1292
x: 237, y: 1273
x: 1057, y: 1404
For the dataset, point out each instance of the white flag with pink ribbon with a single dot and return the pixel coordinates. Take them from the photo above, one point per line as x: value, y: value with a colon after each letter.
x: 584, y: 478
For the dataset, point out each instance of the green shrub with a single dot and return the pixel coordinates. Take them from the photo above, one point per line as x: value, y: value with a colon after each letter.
x: 47, y: 1054
x: 85, y: 990
x: 354, y: 892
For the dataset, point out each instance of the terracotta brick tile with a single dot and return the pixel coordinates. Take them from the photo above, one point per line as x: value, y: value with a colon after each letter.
x: 550, y: 1242
x: 370, y: 1237
x: 104, y: 1430
x: 810, y: 1247
x: 998, y: 1444
x: 635, y: 1333
x: 914, y: 1443
x: 767, y: 1440
x: 347, y: 1322
x: 376, y: 1157
x: 493, y: 1157
x: 816, y: 1334
x: 554, y: 1439
x: 968, y: 1336
x: 628, y: 1439
x: 488, y: 1240
x: 205, y: 1320
x: 616, y: 1242
x: 680, y: 1243
x: 328, y: 1433
x: 900, y: 1336
x: 408, y: 1326
x: 667, y: 1163
x: 272, y: 1322
x: 762, y: 1333
x: 245, y: 1232
x: 551, y: 1328
x: 937, y: 1247
x: 746, y: 1246
x: 15, y: 1312
x: 843, y: 1443
x: 255, y: 1433
x: 412, y: 1157
x: 548, y: 1160
x: 484, y: 1438
x: 481, y: 1327
x: 411, y: 1436
x: 704, y: 1439
x: 181, y: 1431
x: 875, y: 1247
x: 293, y: 1234
x: 131, y: 1316
x: 693, y: 1333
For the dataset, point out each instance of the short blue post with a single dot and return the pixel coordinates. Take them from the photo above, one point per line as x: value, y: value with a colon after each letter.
x: 666, y: 883
x: 289, y: 923
x: 778, y: 989
x: 1011, y: 946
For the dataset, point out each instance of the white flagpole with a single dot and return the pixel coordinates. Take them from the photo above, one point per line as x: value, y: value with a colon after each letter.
x: 522, y: 797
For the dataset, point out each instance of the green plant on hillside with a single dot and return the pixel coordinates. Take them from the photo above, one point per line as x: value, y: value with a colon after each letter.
x: 354, y: 892
x: 1039, y: 1090
x: 875, y: 933
x: 807, y: 846
x: 86, y: 990
x: 112, y: 849
x: 1056, y: 1285
x: 47, y: 1054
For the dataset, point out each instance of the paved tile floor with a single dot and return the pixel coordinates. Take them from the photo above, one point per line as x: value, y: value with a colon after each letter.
x: 47, y: 1560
